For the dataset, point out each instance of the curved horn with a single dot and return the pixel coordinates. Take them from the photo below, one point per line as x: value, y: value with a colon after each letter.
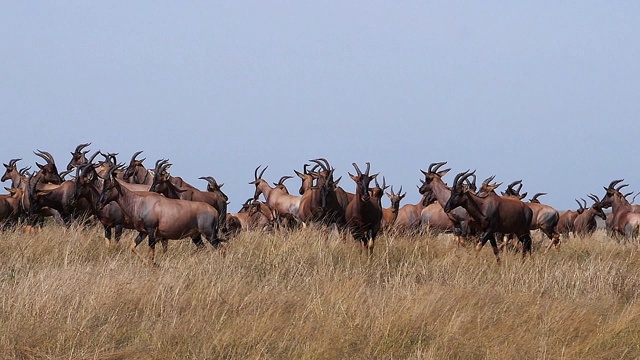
x: 13, y: 162
x: 65, y: 173
x: 262, y: 172
x: 160, y: 163
x: 460, y: 178
x: 92, y: 157
x: 585, y: 203
x: 326, y: 163
x: 594, y: 198
x: 283, y: 179
x: 80, y: 147
x: 437, y: 165
x: 621, y: 186
x: 255, y: 172
x: 357, y: 169
x: 24, y: 170
x: 209, y: 179
x: 135, y: 154
x: 488, y: 180
x: 317, y: 161
x: 514, y: 183
x: 614, y: 183
x: 535, y: 197
x: 46, y: 156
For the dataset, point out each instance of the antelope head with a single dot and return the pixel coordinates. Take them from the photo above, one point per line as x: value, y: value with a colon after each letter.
x: 378, y: 191
x: 487, y: 187
x: 326, y: 175
x: 160, y: 176
x: 85, y: 175
x: 307, y: 177
x: 610, y: 193
x: 362, y: 181
x: 78, y: 157
x: 213, y: 186
x: 395, y: 199
x: 49, y: 171
x: 597, y: 207
x: 11, y: 167
x: 258, y: 180
x: 110, y: 188
x: 432, y: 173
x: 458, y: 191
x: 133, y: 165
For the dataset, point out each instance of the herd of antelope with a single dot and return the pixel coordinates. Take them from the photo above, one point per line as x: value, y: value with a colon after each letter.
x: 160, y: 207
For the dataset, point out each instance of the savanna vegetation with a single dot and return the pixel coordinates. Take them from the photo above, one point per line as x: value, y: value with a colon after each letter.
x: 311, y: 294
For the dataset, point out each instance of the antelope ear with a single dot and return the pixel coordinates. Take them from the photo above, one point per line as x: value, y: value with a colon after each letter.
x: 299, y: 174
x: 335, y: 182
x: 5, y: 165
x: 40, y: 166
x: 443, y: 172
x: 8, y: 189
x: 355, y: 178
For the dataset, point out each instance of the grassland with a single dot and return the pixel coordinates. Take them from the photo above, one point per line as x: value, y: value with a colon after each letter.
x: 310, y: 294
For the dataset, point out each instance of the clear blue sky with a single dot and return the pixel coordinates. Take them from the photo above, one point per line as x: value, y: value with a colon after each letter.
x: 546, y: 92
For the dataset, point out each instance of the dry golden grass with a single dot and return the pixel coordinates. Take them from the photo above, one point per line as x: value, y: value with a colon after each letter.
x: 308, y: 294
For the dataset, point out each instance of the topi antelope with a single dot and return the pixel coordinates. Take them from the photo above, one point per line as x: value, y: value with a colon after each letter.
x: 157, y: 217
x: 363, y: 216
x: 136, y: 172
x: 459, y: 216
x: 322, y: 202
x: 280, y: 203
x: 10, y: 207
x: 162, y: 184
x: 78, y: 157
x: 567, y: 219
x: 624, y: 221
x: 493, y: 213
x: 390, y: 214
x: 48, y: 172
x: 585, y: 223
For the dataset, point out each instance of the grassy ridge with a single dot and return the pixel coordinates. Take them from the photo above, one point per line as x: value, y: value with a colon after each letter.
x: 311, y: 294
